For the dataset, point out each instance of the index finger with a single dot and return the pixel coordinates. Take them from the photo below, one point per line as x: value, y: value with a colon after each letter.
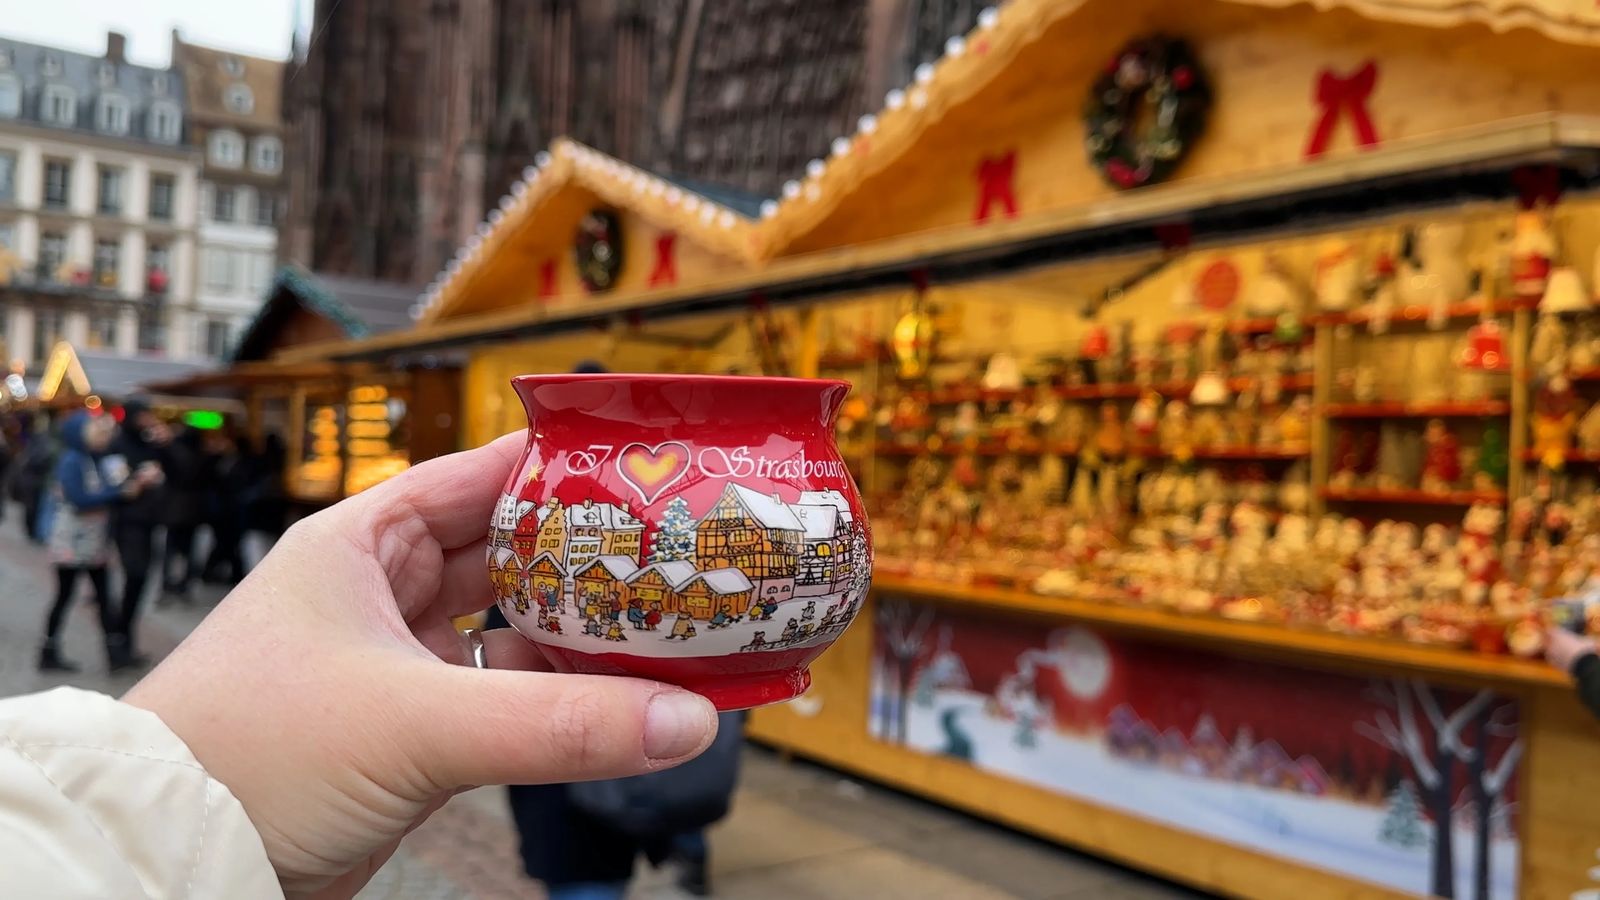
x: 453, y: 496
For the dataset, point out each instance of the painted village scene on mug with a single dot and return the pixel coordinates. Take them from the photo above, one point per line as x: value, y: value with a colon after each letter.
x: 691, y: 564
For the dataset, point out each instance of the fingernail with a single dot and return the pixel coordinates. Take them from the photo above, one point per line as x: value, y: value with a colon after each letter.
x: 675, y: 724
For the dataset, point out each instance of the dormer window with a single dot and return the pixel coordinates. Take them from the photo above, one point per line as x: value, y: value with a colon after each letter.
x: 51, y: 65
x: 159, y: 84
x: 10, y: 96
x: 266, y: 155
x: 226, y: 149
x: 238, y: 99
x: 111, y: 117
x: 59, y: 105
x: 106, y: 74
x: 164, y: 124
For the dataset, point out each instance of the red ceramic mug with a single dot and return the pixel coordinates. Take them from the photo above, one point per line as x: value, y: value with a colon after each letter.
x: 694, y: 529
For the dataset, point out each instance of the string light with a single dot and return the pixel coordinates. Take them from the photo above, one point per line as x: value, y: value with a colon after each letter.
x: 867, y: 124
x: 841, y: 146
x: 895, y: 99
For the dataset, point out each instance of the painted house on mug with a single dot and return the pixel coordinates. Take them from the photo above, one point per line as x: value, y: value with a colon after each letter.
x: 508, y: 514
x: 704, y: 594
x: 545, y: 576
x: 660, y: 583
x: 602, y: 582
x: 827, y: 558
x: 757, y: 534
x: 600, y: 529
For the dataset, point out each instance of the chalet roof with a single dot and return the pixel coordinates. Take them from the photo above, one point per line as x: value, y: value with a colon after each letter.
x: 618, y: 567
x: 499, y: 556
x: 769, y: 511
x: 547, y: 555
x: 831, y: 498
x: 358, y: 307
x: 602, y: 515
x: 675, y: 573
x: 723, y: 581
x: 821, y: 522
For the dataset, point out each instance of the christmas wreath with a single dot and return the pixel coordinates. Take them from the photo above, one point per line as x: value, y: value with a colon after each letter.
x: 1155, y: 80
x: 598, y: 250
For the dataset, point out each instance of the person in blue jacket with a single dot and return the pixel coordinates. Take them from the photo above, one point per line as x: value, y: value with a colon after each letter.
x: 82, y: 494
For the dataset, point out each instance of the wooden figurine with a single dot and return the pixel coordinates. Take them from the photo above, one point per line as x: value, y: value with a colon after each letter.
x: 1441, y: 464
x: 1533, y: 247
x: 1294, y: 425
x: 1493, y: 462
x: 1547, y: 353
x: 1143, y: 419
x: 1554, y: 417
x: 1108, y: 437
x: 1177, y: 433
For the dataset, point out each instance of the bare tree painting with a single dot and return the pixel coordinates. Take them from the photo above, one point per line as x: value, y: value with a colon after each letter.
x: 903, y: 629
x: 1413, y: 724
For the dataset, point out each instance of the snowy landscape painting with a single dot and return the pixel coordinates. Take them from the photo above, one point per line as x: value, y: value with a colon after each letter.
x: 1396, y: 782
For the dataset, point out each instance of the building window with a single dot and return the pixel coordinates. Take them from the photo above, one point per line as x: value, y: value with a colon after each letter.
x: 103, y: 329
x: 8, y: 241
x: 105, y: 263
x: 159, y: 84
x: 166, y: 123
x: 112, y: 115
x: 266, y: 155
x: 10, y: 96
x: 52, y: 254
x: 238, y: 99
x: 157, y: 269
x: 222, y: 203
x: 266, y: 209
x: 220, y: 265
x: 51, y: 65
x: 233, y: 65
x: 106, y: 74
x: 152, y: 332
x: 57, y: 183
x: 8, y: 177
x: 217, y: 338
x: 110, y: 191
x: 227, y: 149
x: 59, y: 106
x: 46, y: 332
x: 162, y: 187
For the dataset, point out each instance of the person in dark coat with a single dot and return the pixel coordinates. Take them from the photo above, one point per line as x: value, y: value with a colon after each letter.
x: 1577, y: 656
x: 182, y: 511
x: 579, y: 855
x: 140, y: 449
x: 232, y: 486
x: 33, y: 473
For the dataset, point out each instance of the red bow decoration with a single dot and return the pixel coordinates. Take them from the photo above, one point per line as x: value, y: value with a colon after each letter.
x: 995, y: 186
x: 1344, y: 95
x: 666, y: 267
x: 547, y: 278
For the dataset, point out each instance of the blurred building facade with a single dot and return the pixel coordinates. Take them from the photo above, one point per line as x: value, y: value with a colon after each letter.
x: 407, y: 119
x: 234, y: 118
x: 97, y: 204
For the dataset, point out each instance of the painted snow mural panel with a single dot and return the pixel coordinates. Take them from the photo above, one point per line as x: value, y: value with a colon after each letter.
x: 1396, y: 782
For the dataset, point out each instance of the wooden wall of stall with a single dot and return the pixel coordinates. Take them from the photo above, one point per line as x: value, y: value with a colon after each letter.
x: 1263, y: 64
x: 1560, y: 778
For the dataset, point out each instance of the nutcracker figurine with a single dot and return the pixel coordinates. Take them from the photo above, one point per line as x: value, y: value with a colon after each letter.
x: 1532, y: 249
x: 1555, y: 415
x: 1441, y: 463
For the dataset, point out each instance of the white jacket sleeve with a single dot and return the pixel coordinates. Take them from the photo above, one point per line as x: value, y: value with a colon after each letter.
x: 99, y: 799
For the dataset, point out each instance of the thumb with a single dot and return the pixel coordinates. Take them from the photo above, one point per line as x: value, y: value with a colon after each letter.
x: 471, y: 726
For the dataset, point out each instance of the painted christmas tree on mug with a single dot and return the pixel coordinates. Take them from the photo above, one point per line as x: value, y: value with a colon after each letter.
x: 699, y: 530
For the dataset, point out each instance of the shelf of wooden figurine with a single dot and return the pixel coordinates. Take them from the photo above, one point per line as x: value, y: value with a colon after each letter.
x: 1201, y: 454
x: 1402, y: 410
x: 1215, y: 630
x: 1409, y: 496
x: 1299, y: 382
x: 1414, y: 313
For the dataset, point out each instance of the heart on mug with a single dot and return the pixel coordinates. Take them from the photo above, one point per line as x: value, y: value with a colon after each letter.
x: 651, y: 470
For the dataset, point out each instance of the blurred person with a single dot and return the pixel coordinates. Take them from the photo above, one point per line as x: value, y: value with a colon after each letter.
x: 581, y: 840
x: 1578, y: 657
x: 34, y: 471
x: 267, y: 501
x: 319, y: 714
x: 232, y: 486
x: 83, y: 492
x: 183, y: 505
x: 141, y: 446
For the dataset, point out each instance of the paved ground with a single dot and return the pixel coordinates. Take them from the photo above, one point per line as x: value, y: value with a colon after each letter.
x: 797, y: 831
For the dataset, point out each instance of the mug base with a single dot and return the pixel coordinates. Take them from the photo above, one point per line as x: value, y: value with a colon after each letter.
x: 727, y: 691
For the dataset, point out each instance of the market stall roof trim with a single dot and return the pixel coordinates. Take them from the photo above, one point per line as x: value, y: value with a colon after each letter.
x: 719, y: 219
x: 356, y: 308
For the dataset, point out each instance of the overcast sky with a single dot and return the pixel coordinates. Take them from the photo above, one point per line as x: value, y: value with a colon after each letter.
x: 256, y: 27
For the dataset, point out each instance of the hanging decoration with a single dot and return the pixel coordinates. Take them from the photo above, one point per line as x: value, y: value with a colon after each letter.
x: 1156, y: 79
x: 1341, y: 96
x: 1218, y: 285
x: 997, y: 186
x: 598, y: 250
x: 548, y: 286
x: 913, y: 336
x: 665, y: 271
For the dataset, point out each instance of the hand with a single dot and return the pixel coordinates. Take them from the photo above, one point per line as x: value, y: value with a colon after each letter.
x: 322, y: 690
x: 1563, y: 648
